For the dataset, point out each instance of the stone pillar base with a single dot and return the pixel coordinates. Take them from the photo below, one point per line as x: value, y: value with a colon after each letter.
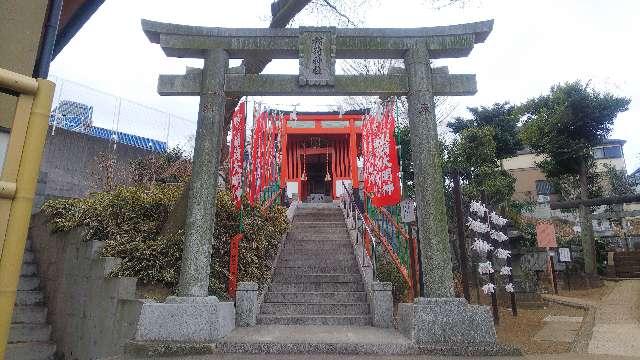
x: 246, y: 304
x: 382, y: 304
x: 446, y: 321
x: 187, y: 319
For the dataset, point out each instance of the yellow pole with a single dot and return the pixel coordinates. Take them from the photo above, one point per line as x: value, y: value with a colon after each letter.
x: 20, y: 214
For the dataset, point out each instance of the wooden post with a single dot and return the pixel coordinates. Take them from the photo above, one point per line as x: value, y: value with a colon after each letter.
x: 462, y: 244
x: 552, y: 274
x: 414, y: 262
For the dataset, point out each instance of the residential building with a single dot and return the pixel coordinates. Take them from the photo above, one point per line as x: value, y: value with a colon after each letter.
x: 532, y: 185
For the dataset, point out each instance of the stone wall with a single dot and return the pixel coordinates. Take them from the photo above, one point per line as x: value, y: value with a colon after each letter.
x: 92, y: 315
x: 68, y: 159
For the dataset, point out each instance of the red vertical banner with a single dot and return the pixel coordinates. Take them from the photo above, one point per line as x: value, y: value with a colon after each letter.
x: 257, y: 161
x: 236, y: 153
x: 366, y: 152
x: 233, y: 264
x: 382, y: 169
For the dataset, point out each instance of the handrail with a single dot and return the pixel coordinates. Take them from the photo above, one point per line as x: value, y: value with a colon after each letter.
x: 404, y: 252
x: 271, y: 200
x: 392, y: 254
x: 355, y: 207
x: 18, y: 180
x: 19, y: 83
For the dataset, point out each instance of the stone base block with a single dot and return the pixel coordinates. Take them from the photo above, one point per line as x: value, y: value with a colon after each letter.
x: 246, y: 304
x: 197, y: 319
x: 382, y: 304
x: 446, y: 321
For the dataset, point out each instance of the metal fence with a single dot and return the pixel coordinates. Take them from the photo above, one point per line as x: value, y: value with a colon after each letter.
x: 79, y: 108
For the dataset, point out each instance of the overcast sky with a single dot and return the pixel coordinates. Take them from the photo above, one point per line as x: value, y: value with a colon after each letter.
x: 534, y: 44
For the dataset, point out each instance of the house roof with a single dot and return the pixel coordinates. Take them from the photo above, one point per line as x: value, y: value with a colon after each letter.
x: 526, y: 150
x: 75, y: 13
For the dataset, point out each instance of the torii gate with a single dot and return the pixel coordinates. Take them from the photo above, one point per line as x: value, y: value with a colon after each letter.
x: 317, y: 48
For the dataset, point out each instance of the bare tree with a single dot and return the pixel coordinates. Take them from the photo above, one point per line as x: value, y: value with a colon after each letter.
x: 444, y: 106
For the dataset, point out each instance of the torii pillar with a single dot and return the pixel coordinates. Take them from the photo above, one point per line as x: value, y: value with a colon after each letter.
x: 431, y: 210
x: 201, y: 208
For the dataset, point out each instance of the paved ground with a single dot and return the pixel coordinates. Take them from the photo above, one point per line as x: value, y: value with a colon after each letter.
x: 319, y: 334
x: 559, y: 328
x: 568, y: 356
x: 616, y: 329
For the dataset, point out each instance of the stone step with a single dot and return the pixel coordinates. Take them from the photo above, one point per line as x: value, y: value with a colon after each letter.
x: 29, y: 332
x: 318, y: 230
x: 317, y: 244
x: 29, y: 314
x: 28, y: 283
x: 314, y: 320
x: 316, y: 297
x: 268, y: 308
x: 297, y: 252
x: 317, y: 287
x: 28, y: 257
x: 319, y: 222
x: 29, y: 270
x: 25, y: 298
x: 305, y: 261
x: 317, y: 237
x: 293, y: 278
x: 30, y: 351
x: 311, y: 269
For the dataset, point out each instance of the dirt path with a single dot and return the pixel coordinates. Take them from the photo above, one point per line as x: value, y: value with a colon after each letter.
x: 616, y: 329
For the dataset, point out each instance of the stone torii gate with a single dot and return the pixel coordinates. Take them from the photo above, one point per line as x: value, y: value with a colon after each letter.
x: 317, y: 49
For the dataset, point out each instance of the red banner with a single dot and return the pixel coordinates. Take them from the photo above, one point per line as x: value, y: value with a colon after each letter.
x: 257, y: 157
x: 233, y: 264
x: 381, y: 166
x: 236, y: 153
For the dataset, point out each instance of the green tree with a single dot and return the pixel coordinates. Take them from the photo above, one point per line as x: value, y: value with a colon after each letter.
x: 563, y: 126
x: 473, y: 157
x: 502, y: 118
x: 619, y: 183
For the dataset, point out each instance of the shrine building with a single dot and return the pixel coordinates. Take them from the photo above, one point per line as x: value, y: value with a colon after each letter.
x: 320, y: 154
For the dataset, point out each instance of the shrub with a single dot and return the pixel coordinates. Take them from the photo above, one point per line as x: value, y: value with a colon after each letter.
x: 386, y: 271
x: 130, y: 221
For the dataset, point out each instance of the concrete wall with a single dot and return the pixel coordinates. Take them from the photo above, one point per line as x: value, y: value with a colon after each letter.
x: 20, y: 28
x: 523, y: 168
x: 92, y: 315
x: 68, y: 159
x: 525, y: 186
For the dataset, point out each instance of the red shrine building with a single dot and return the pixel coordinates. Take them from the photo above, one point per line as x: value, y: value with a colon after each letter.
x: 320, y: 154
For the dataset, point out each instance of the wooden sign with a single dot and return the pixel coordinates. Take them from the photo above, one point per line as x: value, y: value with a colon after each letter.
x: 546, y: 235
x: 564, y: 255
x: 407, y: 211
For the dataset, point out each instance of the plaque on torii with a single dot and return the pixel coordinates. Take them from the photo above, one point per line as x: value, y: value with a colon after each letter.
x: 317, y: 49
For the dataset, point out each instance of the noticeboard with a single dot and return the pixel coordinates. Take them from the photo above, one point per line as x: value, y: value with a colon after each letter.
x: 546, y: 234
x: 564, y: 255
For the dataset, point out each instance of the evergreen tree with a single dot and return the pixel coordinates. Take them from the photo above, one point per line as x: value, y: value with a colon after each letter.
x: 563, y: 126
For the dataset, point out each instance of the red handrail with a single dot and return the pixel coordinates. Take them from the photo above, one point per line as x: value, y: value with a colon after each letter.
x: 394, y: 258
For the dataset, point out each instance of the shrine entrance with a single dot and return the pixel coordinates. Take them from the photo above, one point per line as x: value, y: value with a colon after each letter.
x: 318, y: 185
x: 320, y: 152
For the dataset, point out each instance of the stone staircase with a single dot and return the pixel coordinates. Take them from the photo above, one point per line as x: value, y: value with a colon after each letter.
x: 30, y: 335
x: 316, y: 280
